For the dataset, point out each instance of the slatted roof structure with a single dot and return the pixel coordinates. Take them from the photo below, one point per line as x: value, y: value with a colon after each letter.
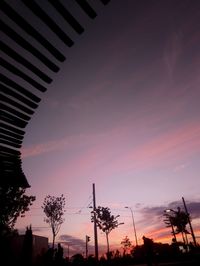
x: 30, y: 59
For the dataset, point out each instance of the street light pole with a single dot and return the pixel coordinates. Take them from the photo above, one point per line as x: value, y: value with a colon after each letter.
x: 188, y: 216
x: 87, y: 239
x: 136, y: 241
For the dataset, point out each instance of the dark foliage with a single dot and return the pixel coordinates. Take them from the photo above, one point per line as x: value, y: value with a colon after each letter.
x: 13, y: 203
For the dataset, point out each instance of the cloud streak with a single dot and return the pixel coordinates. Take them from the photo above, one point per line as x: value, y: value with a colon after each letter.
x: 177, y: 144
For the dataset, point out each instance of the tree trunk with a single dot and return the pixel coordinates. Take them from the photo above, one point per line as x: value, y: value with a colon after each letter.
x: 108, y: 248
x: 183, y: 238
x: 186, y: 240
x: 53, y: 241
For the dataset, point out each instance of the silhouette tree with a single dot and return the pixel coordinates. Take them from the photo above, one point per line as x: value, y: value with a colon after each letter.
x: 53, y: 208
x: 77, y: 259
x: 13, y: 203
x: 179, y: 220
x: 126, y: 244
x: 106, y: 222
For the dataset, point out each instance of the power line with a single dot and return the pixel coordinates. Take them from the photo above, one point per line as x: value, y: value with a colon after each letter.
x: 87, y: 203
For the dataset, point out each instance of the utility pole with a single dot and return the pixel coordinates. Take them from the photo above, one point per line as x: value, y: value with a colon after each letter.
x: 87, y: 239
x: 68, y: 250
x: 95, y: 224
x: 191, y: 229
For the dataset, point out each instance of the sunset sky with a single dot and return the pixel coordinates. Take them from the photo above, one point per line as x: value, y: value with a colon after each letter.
x: 123, y: 113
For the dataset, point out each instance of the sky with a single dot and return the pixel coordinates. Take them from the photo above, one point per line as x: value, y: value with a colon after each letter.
x: 123, y: 113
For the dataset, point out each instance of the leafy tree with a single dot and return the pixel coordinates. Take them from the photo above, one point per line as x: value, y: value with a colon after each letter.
x: 13, y: 203
x: 53, y: 208
x: 106, y: 222
x: 126, y: 244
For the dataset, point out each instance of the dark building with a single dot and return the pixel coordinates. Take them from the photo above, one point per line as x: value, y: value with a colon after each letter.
x: 21, y: 250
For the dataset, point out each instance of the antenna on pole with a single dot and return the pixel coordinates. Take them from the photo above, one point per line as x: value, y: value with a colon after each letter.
x: 95, y: 224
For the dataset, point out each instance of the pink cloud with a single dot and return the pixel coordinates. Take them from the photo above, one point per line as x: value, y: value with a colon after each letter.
x: 44, y: 148
x: 176, y: 144
x: 105, y: 152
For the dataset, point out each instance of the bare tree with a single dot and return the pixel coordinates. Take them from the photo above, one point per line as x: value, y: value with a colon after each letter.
x: 106, y: 222
x: 53, y: 208
x: 126, y: 244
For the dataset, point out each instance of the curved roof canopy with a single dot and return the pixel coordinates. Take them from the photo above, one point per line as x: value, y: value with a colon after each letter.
x: 30, y: 57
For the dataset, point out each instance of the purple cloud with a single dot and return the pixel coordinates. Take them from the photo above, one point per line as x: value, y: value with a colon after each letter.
x: 77, y: 245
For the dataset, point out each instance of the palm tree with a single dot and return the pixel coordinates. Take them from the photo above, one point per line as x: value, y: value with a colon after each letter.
x: 179, y: 220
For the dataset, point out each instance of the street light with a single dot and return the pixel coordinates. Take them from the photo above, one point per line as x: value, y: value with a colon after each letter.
x: 169, y: 210
x: 136, y: 241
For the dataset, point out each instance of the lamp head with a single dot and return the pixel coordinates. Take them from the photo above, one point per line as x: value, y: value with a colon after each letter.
x: 169, y: 210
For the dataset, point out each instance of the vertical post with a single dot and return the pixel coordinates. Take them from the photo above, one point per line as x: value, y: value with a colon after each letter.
x: 191, y: 229
x: 68, y: 250
x: 95, y: 224
x: 86, y: 246
x: 136, y: 241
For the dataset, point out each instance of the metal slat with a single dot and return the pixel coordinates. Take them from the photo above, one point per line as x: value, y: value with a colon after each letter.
x: 12, y: 129
x: 20, y: 89
x: 17, y: 57
x: 67, y: 16
x: 2, y: 136
x: 13, y: 120
x: 9, y: 151
x: 87, y: 8
x: 14, y: 112
x: 27, y: 46
x: 9, y: 133
x: 15, y: 104
x: 9, y: 143
x: 39, y: 12
x: 22, y: 75
x: 20, y: 21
